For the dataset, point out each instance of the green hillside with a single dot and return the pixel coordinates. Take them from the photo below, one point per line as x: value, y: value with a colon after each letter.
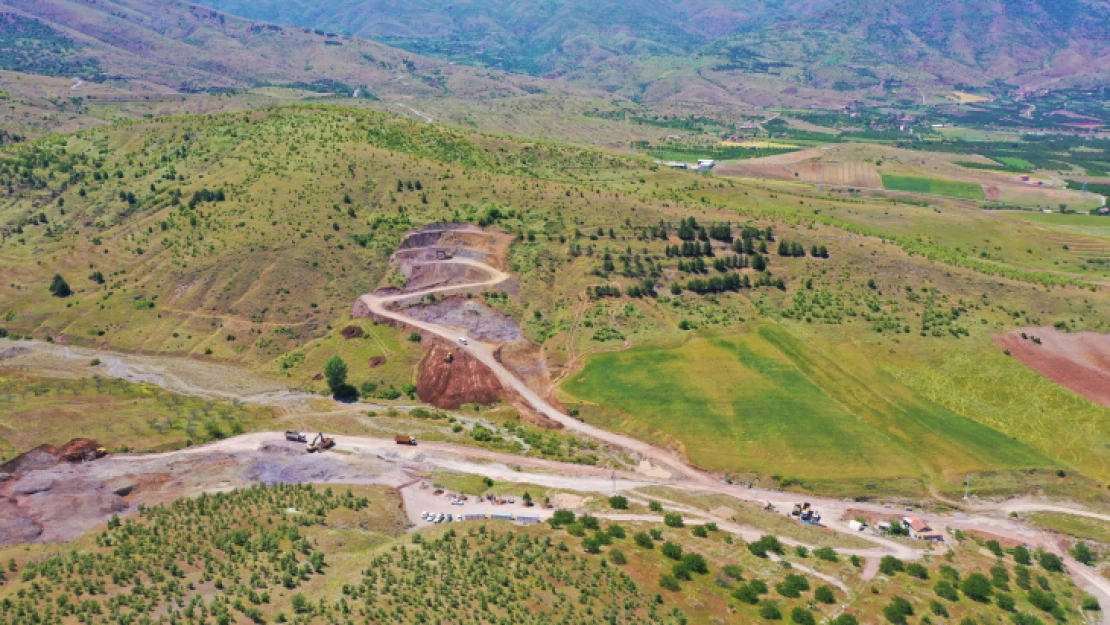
x: 245, y: 238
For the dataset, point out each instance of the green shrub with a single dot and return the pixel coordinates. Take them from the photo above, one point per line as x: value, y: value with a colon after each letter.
x: 616, y: 556
x: 672, y: 550
x: 769, y: 610
x: 618, y: 502
x: 673, y: 519
x: 802, y: 616
x: 977, y: 587
x: 1004, y: 601
x: 824, y: 594
x: 561, y: 517
x: 890, y: 565
x: 897, y: 611
x: 669, y: 582
x: 643, y: 540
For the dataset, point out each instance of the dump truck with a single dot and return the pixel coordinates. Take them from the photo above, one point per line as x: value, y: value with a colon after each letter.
x: 295, y: 436
x: 320, y: 443
x: 404, y: 440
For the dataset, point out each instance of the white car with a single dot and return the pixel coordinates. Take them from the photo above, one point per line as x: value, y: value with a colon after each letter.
x: 439, y: 518
x: 462, y: 339
x: 424, y: 516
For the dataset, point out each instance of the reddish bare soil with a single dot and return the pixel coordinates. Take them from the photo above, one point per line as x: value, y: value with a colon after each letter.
x: 1079, y: 362
x: 352, y: 332
x: 463, y: 380
x: 376, y: 361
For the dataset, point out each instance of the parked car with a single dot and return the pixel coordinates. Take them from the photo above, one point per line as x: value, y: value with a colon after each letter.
x: 462, y: 339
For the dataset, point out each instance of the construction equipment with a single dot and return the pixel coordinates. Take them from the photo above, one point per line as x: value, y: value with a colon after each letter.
x: 320, y: 443
x: 450, y: 358
x: 405, y: 440
x: 295, y: 436
x: 797, y: 511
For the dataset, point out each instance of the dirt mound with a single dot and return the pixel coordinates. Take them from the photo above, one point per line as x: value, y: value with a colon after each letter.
x: 41, y: 457
x: 480, y: 321
x: 376, y: 361
x: 1079, y: 362
x: 352, y: 332
x: 463, y: 380
x: 992, y: 193
x: 78, y: 449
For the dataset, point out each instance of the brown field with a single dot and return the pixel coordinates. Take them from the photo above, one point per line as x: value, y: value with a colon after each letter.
x: 855, y: 174
x: 1079, y: 362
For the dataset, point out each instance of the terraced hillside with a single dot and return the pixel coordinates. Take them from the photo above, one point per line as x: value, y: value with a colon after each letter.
x: 243, y: 239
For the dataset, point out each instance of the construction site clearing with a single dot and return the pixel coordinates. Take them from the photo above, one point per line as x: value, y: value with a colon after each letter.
x: 525, y: 511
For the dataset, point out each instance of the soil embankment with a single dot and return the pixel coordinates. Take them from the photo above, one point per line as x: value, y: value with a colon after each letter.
x: 449, y: 378
x: 1079, y: 362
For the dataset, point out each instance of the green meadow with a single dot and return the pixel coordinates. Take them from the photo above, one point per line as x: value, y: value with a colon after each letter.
x: 765, y: 402
x: 933, y: 186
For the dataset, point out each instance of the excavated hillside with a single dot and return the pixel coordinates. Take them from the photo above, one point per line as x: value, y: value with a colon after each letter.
x: 449, y: 377
x: 438, y: 256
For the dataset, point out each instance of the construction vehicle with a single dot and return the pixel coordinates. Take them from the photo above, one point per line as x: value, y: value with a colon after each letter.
x: 797, y: 511
x: 320, y: 443
x: 295, y: 436
x: 450, y: 358
x: 405, y: 440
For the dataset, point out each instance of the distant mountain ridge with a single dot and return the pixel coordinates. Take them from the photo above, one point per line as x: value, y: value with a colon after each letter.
x: 1038, y: 42
x: 165, y: 45
x: 525, y: 35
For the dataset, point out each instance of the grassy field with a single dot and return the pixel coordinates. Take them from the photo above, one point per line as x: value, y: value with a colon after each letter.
x: 933, y: 186
x: 119, y: 415
x: 763, y: 401
x: 1016, y: 401
x: 1079, y: 527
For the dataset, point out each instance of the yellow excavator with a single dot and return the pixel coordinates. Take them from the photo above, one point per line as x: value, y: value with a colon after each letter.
x: 320, y: 443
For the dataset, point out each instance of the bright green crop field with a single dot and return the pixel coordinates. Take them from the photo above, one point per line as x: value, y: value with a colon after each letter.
x: 933, y: 186
x: 762, y: 401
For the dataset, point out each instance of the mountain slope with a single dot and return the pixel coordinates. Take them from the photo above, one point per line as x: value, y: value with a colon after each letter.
x: 974, y: 41
x: 529, y: 37
x: 165, y: 44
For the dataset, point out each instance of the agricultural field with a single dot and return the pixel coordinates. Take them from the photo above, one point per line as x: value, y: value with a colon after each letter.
x: 933, y: 186
x: 761, y: 401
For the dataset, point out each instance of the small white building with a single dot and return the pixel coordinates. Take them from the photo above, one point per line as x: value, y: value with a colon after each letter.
x: 856, y: 526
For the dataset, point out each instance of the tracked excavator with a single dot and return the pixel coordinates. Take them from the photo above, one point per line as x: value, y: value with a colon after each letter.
x: 320, y: 443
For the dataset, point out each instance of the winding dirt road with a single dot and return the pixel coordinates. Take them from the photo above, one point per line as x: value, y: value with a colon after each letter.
x: 688, y: 477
